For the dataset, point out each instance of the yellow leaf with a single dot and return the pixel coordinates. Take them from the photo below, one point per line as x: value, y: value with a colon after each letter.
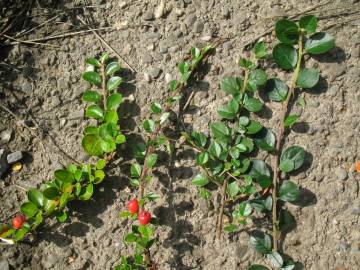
x: 16, y: 167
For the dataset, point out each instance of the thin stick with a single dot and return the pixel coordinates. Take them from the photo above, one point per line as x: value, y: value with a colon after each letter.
x: 61, y: 35
x: 31, y: 42
x: 106, y: 44
x: 38, y: 26
x: 222, y: 206
x: 280, y: 138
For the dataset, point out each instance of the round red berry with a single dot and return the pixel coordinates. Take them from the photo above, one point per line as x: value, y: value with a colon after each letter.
x: 144, y: 217
x: 133, y: 206
x: 18, y: 221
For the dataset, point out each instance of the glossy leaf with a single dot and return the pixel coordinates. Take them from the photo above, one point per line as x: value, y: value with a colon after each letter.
x: 61, y: 216
x: 36, y: 197
x: 229, y: 110
x: 149, y: 125
x: 220, y: 130
x: 285, y: 56
x: 151, y: 160
x: 290, y: 120
x: 113, y: 83
x: 289, y: 191
x: 113, y: 101
x: 258, y: 76
x: 275, y: 259
x: 276, y: 89
x: 156, y: 108
x: 295, y: 154
x: 111, y: 68
x: 64, y: 176
x: 308, y: 78
x: 200, y: 180
x: 92, y: 145
x: 29, y: 209
x: 232, y: 85
x: 308, y: 23
x: 253, y: 128
x: 94, y: 111
x: 287, y: 31
x: 135, y: 170
x: 93, y: 61
x: 202, y: 158
x: 92, y: 77
x: 252, y: 104
x: 319, y: 43
x: 265, y: 139
x: 233, y: 189
x: 261, y: 244
x: 260, y: 50
x: 287, y: 165
x: 91, y: 96
x: 87, y: 193
x: 51, y: 193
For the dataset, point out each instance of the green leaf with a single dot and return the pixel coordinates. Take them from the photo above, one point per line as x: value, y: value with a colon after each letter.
x: 202, y: 158
x: 113, y: 101
x: 258, y: 76
x: 220, y: 130
x: 113, y: 83
x: 294, y: 153
x: 93, y: 61
x: 64, y: 176
x: 230, y: 228
x: 247, y: 64
x: 285, y: 56
x: 265, y: 140
x: 111, y: 68
x: 145, y: 231
x: 252, y: 104
x: 88, y: 193
x: 51, y: 193
x: 308, y: 23
x: 319, y: 43
x: 61, y: 216
x: 104, y: 57
x: 99, y: 176
x: 111, y: 116
x: 94, y: 111
x: 232, y: 85
x: 289, y: 191
x: 149, y: 125
x: 130, y: 238
x: 100, y: 164
x: 91, y: 96
x: 120, y: 139
x: 29, y: 209
x: 275, y: 259
x: 135, y: 170
x: 173, y: 85
x: 257, y: 267
x: 308, y: 78
x: 183, y: 67
x: 244, y: 121
x: 287, y: 165
x: 215, y: 149
x: 91, y: 130
x: 36, y: 197
x: 260, y: 171
x: 195, y: 52
x: 230, y: 110
x: 253, y: 128
x: 156, y: 108
x: 64, y: 199
x: 21, y: 233
x: 287, y: 31
x: 261, y: 244
x: 199, y: 138
x: 49, y: 206
x: 277, y: 90
x: 200, y: 180
x: 92, y: 145
x: 290, y: 120
x: 233, y: 189
x: 244, y: 209
x: 151, y: 160
x: 92, y: 77
x: 260, y: 50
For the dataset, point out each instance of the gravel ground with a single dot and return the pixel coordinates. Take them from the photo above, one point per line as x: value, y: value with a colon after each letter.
x: 42, y: 85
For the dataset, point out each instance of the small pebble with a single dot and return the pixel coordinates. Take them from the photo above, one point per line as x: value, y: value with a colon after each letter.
x: 159, y: 12
x: 168, y: 77
x: 341, y: 174
x: 5, y: 136
x: 147, y: 77
x: 14, y: 157
x: 155, y: 72
x: 148, y: 16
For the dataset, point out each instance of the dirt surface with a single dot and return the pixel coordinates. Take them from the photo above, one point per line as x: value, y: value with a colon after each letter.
x: 42, y: 86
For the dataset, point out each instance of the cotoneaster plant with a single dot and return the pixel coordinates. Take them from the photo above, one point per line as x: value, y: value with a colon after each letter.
x: 142, y: 231
x: 226, y: 159
x: 77, y: 181
x: 295, y: 40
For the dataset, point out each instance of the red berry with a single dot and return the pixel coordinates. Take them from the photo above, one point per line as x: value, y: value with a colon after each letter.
x: 133, y: 206
x: 144, y: 217
x: 18, y: 221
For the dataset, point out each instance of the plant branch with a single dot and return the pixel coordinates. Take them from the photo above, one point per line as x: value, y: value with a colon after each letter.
x: 221, y: 211
x: 280, y: 138
x: 103, y: 84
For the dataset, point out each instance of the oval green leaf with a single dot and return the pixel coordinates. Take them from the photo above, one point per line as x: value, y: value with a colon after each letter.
x: 289, y: 191
x: 113, y: 101
x: 319, y: 43
x: 36, y: 197
x: 94, y: 111
x: 308, y: 78
x: 29, y: 209
x: 276, y: 89
x: 285, y: 56
x: 112, y: 67
x: 200, y: 180
x: 92, y: 77
x: 91, y: 96
x: 287, y: 31
x: 113, y: 83
x: 308, y: 23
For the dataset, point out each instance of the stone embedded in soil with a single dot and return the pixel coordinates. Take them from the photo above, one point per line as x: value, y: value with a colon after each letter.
x: 14, y: 157
x: 5, y: 136
x: 148, y: 16
x: 341, y: 174
x: 155, y: 72
x: 4, y: 166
